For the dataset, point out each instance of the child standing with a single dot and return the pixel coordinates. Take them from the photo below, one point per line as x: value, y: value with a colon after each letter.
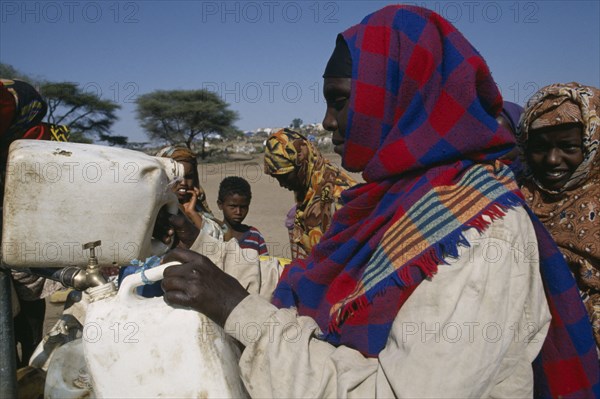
x: 234, y: 200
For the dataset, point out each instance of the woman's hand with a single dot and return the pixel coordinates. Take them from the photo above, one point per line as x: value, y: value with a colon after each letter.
x: 189, y: 207
x: 198, y: 284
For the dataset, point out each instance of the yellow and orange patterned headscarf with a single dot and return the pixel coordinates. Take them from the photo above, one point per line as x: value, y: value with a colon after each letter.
x: 286, y: 151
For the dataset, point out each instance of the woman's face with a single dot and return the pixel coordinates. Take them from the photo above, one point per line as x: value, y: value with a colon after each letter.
x: 337, y: 96
x: 185, y: 186
x: 554, y: 153
x: 290, y: 181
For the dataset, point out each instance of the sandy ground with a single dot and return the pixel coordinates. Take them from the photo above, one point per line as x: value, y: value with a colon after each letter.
x: 269, y: 206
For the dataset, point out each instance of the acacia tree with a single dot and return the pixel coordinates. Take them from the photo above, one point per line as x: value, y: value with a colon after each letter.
x: 184, y: 116
x: 9, y: 72
x: 83, y: 113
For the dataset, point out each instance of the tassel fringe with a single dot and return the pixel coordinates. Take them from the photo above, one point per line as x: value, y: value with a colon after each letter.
x: 427, y: 262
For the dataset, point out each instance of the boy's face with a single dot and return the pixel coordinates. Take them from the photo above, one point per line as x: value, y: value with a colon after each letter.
x: 235, y: 208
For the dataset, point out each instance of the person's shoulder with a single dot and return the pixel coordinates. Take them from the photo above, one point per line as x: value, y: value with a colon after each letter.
x: 253, y: 239
x: 513, y: 227
x: 255, y: 231
x: 513, y: 216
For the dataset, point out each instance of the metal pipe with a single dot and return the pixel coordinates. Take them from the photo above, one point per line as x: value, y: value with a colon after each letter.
x: 8, y: 356
x: 72, y: 276
x: 65, y: 275
x: 46, y: 272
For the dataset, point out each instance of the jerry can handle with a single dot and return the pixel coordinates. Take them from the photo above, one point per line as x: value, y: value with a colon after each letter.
x: 131, y: 282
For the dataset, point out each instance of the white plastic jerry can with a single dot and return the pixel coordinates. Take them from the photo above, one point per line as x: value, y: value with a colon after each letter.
x: 59, y: 196
x: 141, y: 347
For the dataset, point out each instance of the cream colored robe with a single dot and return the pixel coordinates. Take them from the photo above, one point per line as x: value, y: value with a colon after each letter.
x: 471, y: 331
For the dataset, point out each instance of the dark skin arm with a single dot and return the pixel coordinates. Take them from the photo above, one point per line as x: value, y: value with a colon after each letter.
x: 189, y: 208
x: 198, y: 284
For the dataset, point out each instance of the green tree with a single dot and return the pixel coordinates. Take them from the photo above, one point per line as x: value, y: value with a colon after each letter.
x: 9, y: 72
x: 83, y: 113
x: 184, y: 116
x: 296, y: 123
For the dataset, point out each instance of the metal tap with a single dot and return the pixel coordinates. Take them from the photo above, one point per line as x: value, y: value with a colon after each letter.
x: 93, y: 277
x: 82, y: 279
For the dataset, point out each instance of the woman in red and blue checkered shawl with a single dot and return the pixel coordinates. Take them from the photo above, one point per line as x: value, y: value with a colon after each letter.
x: 434, y: 279
x: 415, y: 112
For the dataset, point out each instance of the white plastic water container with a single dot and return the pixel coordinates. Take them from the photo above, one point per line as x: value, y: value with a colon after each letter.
x: 67, y: 376
x: 59, y: 196
x: 143, y: 348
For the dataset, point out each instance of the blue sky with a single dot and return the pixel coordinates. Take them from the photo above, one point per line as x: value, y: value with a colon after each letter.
x: 266, y: 58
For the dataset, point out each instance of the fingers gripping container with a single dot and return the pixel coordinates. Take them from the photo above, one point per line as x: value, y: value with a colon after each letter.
x: 142, y: 347
x: 59, y: 196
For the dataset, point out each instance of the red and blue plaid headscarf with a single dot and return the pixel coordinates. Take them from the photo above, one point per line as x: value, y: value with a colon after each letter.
x: 422, y: 127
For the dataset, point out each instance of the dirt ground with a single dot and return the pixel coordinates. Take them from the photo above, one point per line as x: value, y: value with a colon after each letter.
x: 269, y: 206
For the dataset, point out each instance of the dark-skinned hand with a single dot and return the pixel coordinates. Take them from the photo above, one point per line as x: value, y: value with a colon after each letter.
x: 175, y: 229
x: 198, y: 284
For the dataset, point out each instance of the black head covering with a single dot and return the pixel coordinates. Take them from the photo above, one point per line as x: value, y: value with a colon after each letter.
x: 340, y: 62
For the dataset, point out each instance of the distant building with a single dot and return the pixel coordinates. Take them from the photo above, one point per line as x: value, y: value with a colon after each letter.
x: 324, y: 141
x: 214, y: 136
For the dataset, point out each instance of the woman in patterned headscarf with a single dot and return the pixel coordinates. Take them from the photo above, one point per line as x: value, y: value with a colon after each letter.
x: 317, y: 184
x: 189, y: 191
x: 560, y: 132
x: 191, y: 195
